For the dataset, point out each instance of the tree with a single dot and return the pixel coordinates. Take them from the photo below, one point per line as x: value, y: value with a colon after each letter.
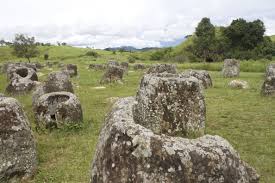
x: 204, y: 41
x: 245, y: 35
x: 2, y: 42
x: 24, y: 47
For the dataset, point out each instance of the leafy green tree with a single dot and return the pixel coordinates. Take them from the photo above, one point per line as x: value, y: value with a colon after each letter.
x: 245, y: 35
x: 204, y: 41
x: 24, y: 47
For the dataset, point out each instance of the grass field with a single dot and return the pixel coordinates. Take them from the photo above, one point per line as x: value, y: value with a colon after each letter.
x: 243, y: 117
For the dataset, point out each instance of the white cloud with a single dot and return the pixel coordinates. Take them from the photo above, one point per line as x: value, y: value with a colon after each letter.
x: 103, y: 23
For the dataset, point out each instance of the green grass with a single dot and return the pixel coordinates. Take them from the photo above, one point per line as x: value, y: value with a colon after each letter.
x: 243, y: 117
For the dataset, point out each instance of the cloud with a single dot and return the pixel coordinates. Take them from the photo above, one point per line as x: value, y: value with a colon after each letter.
x: 140, y: 23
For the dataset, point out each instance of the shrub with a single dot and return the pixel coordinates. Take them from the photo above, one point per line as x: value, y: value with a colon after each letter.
x: 131, y: 59
x: 46, y: 56
x: 92, y: 54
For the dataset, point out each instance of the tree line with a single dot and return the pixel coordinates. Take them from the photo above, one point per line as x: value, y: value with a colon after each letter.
x: 241, y: 40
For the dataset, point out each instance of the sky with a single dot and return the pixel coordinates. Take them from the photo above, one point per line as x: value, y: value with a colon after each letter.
x: 113, y: 23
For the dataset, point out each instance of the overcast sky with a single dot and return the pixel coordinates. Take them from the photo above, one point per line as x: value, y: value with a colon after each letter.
x: 139, y: 23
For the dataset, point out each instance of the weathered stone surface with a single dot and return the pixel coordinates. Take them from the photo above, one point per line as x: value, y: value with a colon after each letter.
x: 49, y: 64
x: 170, y: 104
x: 61, y: 65
x: 20, y: 86
x: 128, y: 152
x: 124, y: 65
x: 139, y: 67
x: 231, y: 68
x: 203, y: 77
x: 38, y: 65
x: 21, y: 72
x: 56, y: 108
x: 161, y: 68
x: 238, y: 84
x: 270, y: 70
x: 17, y: 147
x: 97, y: 66
x: 22, y: 79
x: 9, y: 65
x: 268, y: 87
x: 113, y: 63
x: 58, y: 81
x: 113, y: 73
x: 72, y: 69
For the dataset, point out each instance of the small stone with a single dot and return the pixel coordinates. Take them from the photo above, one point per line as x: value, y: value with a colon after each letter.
x: 139, y: 67
x: 97, y: 66
x: 238, y: 84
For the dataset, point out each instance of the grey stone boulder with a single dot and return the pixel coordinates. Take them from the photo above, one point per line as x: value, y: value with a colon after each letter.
x: 124, y: 65
x: 268, y: 87
x: 18, y: 158
x: 58, y: 81
x: 22, y: 79
x: 270, y: 70
x: 21, y: 72
x: 112, y: 74
x: 71, y: 69
x: 231, y: 68
x: 49, y: 64
x: 170, y: 104
x: 18, y: 86
x: 139, y: 67
x: 238, y: 84
x: 57, y: 108
x: 97, y: 66
x: 113, y: 63
x: 61, y: 65
x: 203, y: 77
x: 10, y: 65
x: 128, y: 152
x: 161, y: 68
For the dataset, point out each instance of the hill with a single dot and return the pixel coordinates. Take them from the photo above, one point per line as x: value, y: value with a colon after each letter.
x: 273, y: 38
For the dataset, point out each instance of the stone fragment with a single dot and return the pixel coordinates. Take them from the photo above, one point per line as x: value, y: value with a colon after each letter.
x: 139, y: 67
x: 238, y: 84
x: 97, y: 66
